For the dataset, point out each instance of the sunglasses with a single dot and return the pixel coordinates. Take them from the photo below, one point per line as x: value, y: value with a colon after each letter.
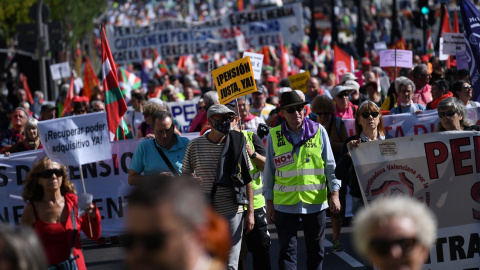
x: 202, y: 107
x: 383, y: 246
x: 467, y: 87
x: 292, y: 109
x: 449, y: 114
x: 343, y: 94
x: 150, y: 241
x: 48, y: 173
x: 366, y: 115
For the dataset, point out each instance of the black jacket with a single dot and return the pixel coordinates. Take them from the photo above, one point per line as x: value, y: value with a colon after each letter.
x: 232, y: 170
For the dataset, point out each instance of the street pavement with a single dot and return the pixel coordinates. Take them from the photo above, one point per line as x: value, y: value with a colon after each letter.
x: 111, y: 256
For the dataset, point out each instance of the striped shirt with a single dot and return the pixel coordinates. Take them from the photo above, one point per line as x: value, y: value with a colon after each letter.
x: 202, y: 158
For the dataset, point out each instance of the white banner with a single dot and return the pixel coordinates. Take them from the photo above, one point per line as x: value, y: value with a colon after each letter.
x: 184, y: 112
x: 76, y: 139
x: 260, y: 27
x: 106, y: 180
x: 411, y: 124
x: 443, y: 172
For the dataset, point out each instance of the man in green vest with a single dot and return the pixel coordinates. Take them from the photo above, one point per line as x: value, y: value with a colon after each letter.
x: 257, y: 241
x: 299, y: 166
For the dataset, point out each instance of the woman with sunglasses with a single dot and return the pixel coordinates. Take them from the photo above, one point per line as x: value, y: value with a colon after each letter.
x: 463, y: 91
x: 343, y: 107
x: 453, y: 116
x: 368, y: 127
x: 52, y: 212
x: 406, y: 89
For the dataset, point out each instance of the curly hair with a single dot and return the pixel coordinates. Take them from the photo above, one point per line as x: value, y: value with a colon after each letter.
x: 368, y: 106
x: 32, y: 191
x: 149, y: 108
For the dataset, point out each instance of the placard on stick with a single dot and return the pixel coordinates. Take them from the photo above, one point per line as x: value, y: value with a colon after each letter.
x: 299, y: 81
x: 234, y: 80
x: 403, y: 58
x: 60, y: 70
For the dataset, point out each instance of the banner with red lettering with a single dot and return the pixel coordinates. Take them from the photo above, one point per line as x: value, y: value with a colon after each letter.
x: 443, y: 171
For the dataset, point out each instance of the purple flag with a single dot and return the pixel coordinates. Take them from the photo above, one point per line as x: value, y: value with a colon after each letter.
x: 471, y: 24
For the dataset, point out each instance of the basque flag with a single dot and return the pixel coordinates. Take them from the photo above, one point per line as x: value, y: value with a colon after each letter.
x: 471, y: 24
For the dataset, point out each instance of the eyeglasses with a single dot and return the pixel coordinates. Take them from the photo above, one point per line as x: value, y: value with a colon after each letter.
x: 383, y: 246
x: 467, y: 87
x: 343, y: 94
x: 292, y: 109
x: 449, y: 114
x: 48, y: 173
x: 150, y: 241
x: 366, y: 115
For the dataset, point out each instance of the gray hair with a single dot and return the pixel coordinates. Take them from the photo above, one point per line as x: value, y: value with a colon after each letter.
x: 210, y: 98
x: 31, y: 123
x: 161, y: 115
x: 247, y: 102
x: 458, y: 106
x: 22, y: 109
x: 401, y: 81
x: 418, y: 70
x: 95, y: 102
x: 182, y: 195
x: 382, y: 210
x: 22, y: 248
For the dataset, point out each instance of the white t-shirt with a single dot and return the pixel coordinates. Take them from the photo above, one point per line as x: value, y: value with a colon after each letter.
x: 134, y: 119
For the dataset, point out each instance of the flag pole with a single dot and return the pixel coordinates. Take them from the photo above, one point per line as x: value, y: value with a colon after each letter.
x: 395, y: 62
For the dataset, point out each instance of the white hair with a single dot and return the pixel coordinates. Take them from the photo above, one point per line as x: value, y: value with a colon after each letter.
x: 300, y: 94
x: 382, y: 210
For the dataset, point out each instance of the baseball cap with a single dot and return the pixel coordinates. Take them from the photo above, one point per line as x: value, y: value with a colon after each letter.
x: 339, y: 88
x: 352, y: 85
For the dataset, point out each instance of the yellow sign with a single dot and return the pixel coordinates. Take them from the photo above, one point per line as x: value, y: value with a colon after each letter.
x: 299, y: 81
x: 234, y: 80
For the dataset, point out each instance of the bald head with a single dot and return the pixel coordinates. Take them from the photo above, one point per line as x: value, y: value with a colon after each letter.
x: 313, y: 86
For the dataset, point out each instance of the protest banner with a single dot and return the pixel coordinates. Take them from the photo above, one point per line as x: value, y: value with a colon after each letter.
x: 77, y: 139
x: 234, y: 80
x: 60, y: 70
x: 462, y: 60
x: 453, y: 43
x: 257, y: 62
x: 170, y: 38
x: 299, y: 81
x: 184, y: 112
x: 406, y: 124
x: 396, y: 58
x: 443, y: 172
x: 106, y: 180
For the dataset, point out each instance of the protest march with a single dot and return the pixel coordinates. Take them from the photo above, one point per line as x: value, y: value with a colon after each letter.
x: 280, y: 113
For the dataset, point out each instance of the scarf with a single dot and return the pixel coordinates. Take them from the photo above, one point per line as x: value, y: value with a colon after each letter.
x: 434, y: 103
x: 347, y: 114
x: 309, y: 129
x: 32, y: 144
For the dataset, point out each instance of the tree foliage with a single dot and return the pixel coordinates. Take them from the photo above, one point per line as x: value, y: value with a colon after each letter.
x: 76, y: 16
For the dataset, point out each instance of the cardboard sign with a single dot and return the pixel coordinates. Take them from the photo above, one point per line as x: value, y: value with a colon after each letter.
x: 257, y: 62
x: 299, y: 81
x: 59, y: 71
x: 396, y: 58
x: 77, y: 139
x: 462, y: 60
x: 453, y: 43
x: 234, y: 80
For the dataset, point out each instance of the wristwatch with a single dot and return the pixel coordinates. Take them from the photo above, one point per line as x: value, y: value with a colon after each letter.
x: 254, y: 155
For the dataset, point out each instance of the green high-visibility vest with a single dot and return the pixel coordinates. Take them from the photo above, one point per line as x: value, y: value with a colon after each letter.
x: 257, y: 184
x: 298, y: 177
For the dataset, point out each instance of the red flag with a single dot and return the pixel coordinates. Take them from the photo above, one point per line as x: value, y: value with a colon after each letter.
x: 343, y: 62
x: 67, y: 106
x: 90, y: 80
x: 23, y: 80
x: 114, y: 101
x: 266, y: 55
x: 240, y: 5
x: 446, y: 29
x: 284, y: 59
x: 456, y: 29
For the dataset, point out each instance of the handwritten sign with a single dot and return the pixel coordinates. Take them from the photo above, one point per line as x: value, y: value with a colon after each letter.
x: 453, y: 43
x: 299, y: 81
x: 396, y: 58
x: 257, y: 62
x: 77, y: 139
x: 234, y: 80
x: 60, y: 70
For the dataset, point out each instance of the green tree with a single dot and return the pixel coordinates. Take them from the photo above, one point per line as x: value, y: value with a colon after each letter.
x: 13, y: 13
